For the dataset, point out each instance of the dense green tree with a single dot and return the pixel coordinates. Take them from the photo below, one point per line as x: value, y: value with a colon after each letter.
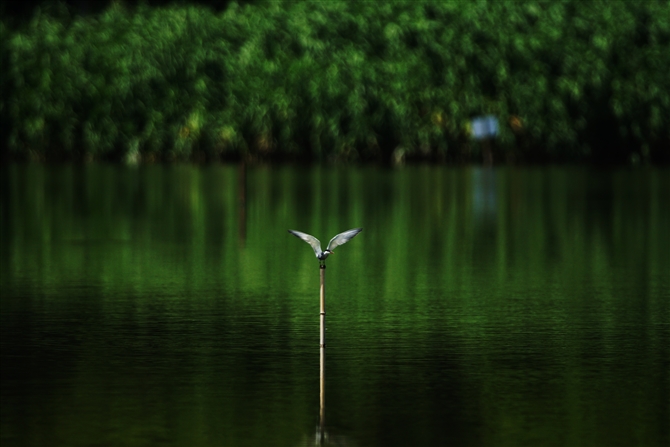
x: 567, y: 80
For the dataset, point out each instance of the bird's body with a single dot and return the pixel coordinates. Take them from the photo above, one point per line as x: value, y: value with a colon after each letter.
x: 338, y: 240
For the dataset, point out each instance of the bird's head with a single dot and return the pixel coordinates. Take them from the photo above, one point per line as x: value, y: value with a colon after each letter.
x: 324, y: 254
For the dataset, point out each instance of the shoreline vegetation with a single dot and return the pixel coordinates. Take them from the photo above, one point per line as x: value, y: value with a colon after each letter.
x: 570, y: 81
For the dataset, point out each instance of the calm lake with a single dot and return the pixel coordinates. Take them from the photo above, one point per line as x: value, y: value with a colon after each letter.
x: 169, y: 306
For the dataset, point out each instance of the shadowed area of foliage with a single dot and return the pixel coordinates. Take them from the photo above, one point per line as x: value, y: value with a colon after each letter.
x: 568, y: 81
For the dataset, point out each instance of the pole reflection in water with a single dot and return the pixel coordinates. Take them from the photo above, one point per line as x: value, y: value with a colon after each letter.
x: 321, y: 435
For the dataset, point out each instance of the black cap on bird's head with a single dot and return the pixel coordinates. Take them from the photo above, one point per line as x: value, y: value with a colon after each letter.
x: 324, y: 254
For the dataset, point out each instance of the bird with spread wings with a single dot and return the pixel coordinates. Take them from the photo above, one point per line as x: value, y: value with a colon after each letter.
x: 338, y: 240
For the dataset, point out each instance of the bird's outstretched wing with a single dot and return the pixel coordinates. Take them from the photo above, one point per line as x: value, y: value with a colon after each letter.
x: 343, y: 238
x: 311, y: 240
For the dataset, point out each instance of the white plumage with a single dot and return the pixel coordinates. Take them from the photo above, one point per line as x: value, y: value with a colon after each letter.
x: 338, y: 240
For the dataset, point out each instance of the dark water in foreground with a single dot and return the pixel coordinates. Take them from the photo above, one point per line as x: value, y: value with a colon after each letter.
x: 169, y: 306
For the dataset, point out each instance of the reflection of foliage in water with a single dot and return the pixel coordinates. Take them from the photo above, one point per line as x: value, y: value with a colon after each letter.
x: 348, y: 80
x: 502, y: 278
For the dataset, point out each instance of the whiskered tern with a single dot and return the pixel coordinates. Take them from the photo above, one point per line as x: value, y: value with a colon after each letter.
x: 338, y: 240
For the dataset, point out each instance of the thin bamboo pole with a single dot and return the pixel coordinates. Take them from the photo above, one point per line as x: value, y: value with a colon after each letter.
x: 322, y: 394
x: 322, y: 290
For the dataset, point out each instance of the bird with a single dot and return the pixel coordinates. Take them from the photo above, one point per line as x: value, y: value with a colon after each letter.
x: 338, y: 240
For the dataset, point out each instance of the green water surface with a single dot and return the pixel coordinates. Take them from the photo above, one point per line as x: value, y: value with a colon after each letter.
x: 168, y: 306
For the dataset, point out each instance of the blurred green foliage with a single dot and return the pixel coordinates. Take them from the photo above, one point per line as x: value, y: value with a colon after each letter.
x: 570, y: 80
